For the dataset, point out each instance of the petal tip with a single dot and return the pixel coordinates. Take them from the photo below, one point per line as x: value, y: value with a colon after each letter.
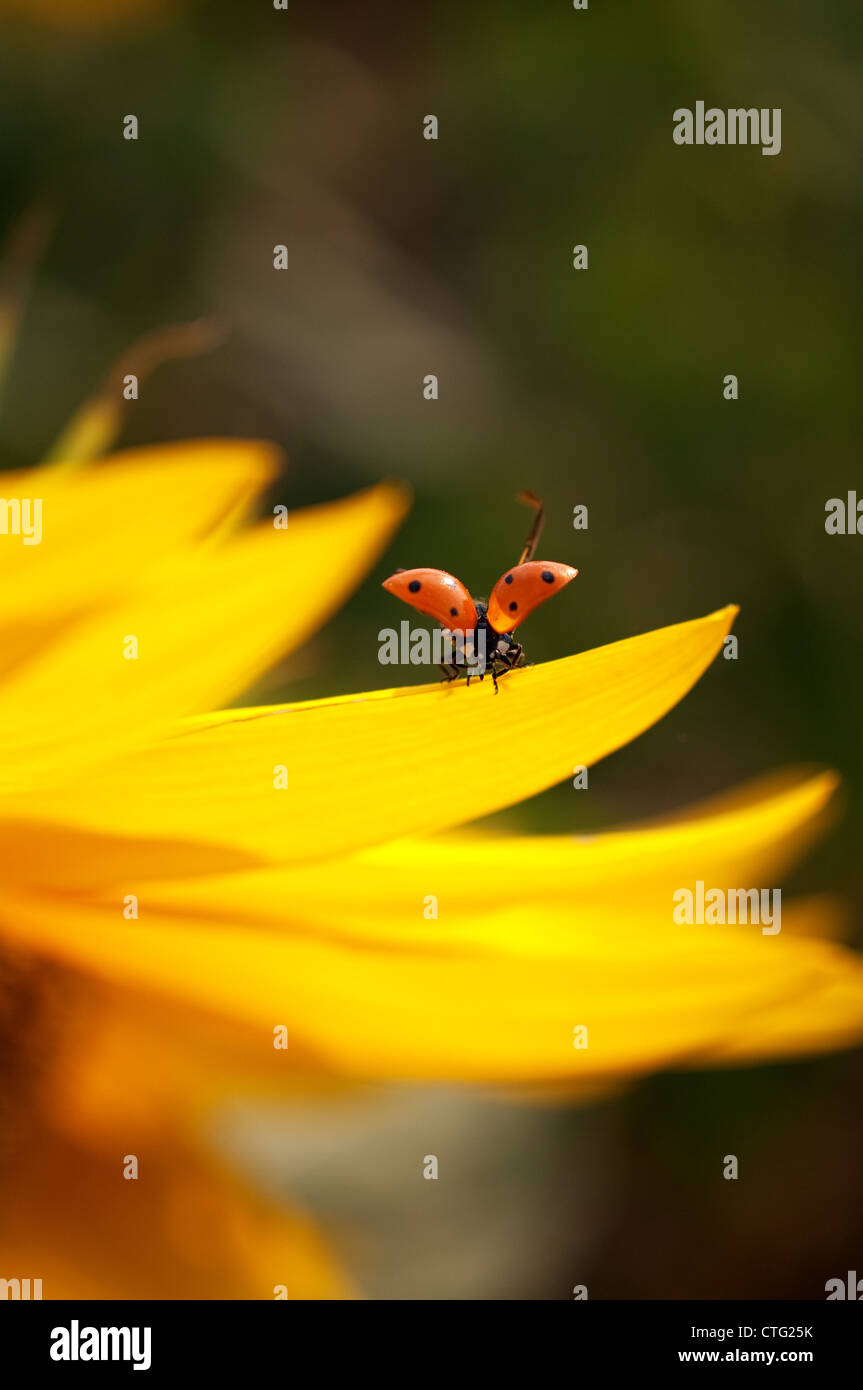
x: 400, y: 493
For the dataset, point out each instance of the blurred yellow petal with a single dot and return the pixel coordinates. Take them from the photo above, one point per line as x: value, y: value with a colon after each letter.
x: 368, y: 768
x: 497, y: 1000
x: 793, y: 1029
x: 105, y: 526
x: 186, y: 1228
x: 168, y: 1060
x: 381, y: 890
x: 205, y: 629
x: 129, y: 1059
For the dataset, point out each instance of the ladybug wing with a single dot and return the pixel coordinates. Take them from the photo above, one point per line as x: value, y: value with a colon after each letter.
x: 436, y: 593
x: 524, y: 588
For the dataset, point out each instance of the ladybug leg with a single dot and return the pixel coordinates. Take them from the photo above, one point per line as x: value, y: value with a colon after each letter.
x: 503, y: 663
x: 450, y: 673
x: 506, y: 661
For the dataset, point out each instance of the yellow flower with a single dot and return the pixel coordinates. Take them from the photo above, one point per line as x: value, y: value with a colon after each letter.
x: 139, y: 546
x: 261, y: 906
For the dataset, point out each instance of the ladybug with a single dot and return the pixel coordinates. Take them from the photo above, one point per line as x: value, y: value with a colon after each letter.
x: 485, y: 631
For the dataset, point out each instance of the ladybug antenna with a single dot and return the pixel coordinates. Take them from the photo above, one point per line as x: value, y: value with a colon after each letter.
x: 535, y: 531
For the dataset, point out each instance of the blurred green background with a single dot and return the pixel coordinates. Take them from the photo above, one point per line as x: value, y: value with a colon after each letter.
x: 601, y: 387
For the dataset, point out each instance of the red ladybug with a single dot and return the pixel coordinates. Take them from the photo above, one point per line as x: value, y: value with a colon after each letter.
x: 485, y: 630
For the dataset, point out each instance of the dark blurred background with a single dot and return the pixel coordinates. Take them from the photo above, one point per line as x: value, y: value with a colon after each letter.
x: 600, y: 387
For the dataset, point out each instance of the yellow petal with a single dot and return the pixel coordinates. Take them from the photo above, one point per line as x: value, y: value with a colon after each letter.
x: 126, y: 1060
x: 161, y: 1061
x: 106, y: 526
x: 380, y: 892
x: 206, y: 628
x: 186, y: 1228
x: 649, y: 992
x: 368, y: 768
x: 794, y: 1028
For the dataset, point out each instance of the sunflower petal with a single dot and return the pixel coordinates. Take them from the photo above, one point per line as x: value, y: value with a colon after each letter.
x: 475, y: 1003
x: 792, y: 1028
x: 379, y: 893
x: 129, y: 1060
x: 368, y: 768
x: 205, y: 629
x: 108, y: 524
x: 146, y: 1054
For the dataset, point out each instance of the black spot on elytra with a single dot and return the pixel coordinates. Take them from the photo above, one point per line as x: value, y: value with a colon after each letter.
x: 513, y: 607
x: 453, y: 612
x: 415, y: 586
x: 548, y: 576
x: 508, y: 579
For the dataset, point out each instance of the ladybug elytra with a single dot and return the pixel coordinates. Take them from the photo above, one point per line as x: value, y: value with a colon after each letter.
x: 485, y: 631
